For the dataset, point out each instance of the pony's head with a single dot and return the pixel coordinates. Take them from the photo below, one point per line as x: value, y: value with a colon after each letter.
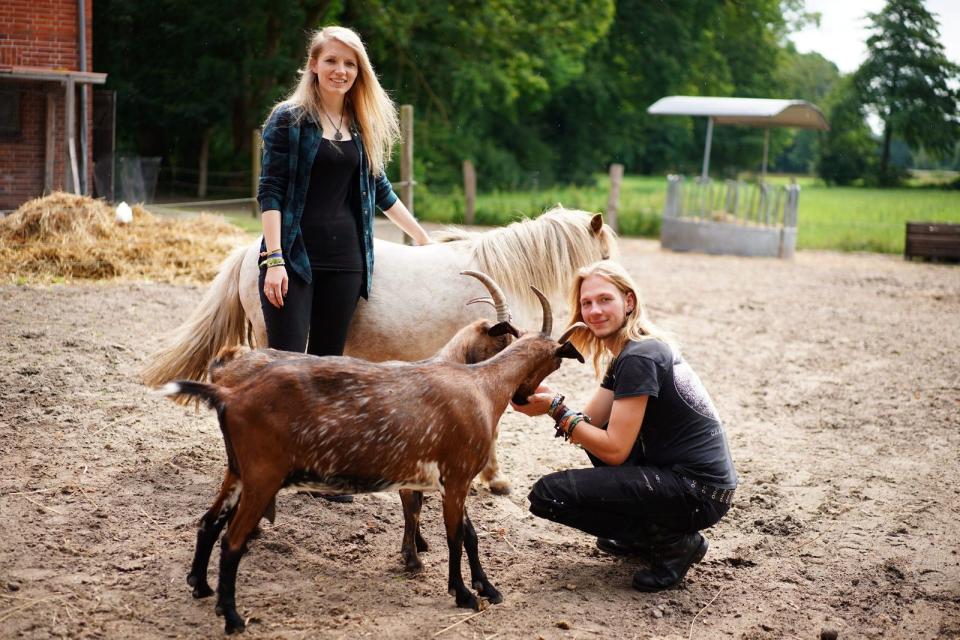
x: 545, y: 252
x: 595, y: 236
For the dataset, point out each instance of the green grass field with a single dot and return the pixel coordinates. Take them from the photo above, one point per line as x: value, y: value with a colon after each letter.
x: 835, y: 218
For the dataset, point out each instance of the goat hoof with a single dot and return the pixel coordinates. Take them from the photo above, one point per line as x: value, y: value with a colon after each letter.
x: 413, y: 565
x: 234, y: 623
x: 488, y: 591
x: 202, y: 591
x: 500, y: 487
x: 469, y: 601
x: 492, y: 595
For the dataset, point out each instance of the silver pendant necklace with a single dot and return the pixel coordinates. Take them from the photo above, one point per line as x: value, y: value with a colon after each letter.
x: 337, y: 136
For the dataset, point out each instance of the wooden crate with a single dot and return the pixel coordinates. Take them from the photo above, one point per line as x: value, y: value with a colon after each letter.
x: 933, y: 240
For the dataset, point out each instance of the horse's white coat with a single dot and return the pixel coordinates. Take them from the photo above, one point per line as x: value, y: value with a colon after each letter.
x: 418, y: 301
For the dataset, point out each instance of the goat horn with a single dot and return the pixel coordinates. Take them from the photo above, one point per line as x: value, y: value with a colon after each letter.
x: 496, y: 293
x: 547, y: 327
x: 486, y: 299
x: 569, y: 332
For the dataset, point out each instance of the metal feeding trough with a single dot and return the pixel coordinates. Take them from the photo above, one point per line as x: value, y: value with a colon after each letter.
x: 734, y: 218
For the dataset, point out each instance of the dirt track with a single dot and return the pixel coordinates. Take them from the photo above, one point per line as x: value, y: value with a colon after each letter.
x: 838, y: 377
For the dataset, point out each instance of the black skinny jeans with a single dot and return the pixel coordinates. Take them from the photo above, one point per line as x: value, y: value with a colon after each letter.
x: 320, y: 311
x: 627, y: 503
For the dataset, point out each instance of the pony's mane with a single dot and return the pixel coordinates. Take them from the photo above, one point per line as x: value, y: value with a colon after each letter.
x: 544, y: 252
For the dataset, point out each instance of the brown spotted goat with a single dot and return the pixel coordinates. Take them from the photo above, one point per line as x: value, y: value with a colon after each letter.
x: 474, y: 343
x: 345, y: 426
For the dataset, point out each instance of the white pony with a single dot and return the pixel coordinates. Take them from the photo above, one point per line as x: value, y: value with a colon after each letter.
x: 418, y: 300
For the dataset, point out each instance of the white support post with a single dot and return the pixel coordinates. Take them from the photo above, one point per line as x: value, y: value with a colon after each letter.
x: 766, y: 149
x: 706, y: 150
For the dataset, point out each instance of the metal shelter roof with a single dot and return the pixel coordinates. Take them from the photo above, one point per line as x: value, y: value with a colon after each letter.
x: 753, y: 112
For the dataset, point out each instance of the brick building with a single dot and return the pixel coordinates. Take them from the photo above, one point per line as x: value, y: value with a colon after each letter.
x: 46, y: 98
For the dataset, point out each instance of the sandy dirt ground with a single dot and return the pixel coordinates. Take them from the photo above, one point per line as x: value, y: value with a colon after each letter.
x: 838, y: 378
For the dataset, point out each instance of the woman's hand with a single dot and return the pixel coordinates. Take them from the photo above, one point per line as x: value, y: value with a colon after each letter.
x: 538, y: 403
x: 275, y: 285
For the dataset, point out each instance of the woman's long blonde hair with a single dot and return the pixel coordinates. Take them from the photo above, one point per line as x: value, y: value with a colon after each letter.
x: 638, y: 325
x: 374, y: 113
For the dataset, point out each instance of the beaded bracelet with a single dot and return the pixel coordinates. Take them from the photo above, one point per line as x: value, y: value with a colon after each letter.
x: 577, y: 419
x: 554, y: 404
x: 573, y: 419
x: 558, y: 425
x: 276, y: 261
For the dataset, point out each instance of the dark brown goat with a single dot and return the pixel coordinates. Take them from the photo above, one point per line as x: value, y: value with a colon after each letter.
x: 341, y: 425
x: 478, y: 341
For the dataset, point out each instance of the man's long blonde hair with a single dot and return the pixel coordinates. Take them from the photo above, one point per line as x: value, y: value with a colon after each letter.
x: 638, y: 325
x: 374, y: 113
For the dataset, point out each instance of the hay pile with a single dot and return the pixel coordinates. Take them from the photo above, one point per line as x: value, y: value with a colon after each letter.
x: 64, y: 236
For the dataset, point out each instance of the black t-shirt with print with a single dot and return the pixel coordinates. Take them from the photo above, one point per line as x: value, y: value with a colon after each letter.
x: 681, y: 428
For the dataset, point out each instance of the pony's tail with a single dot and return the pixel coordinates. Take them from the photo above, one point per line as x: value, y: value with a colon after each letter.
x: 217, y: 322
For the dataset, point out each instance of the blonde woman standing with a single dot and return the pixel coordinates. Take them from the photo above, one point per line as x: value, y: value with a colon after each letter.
x: 662, y: 470
x: 325, y: 149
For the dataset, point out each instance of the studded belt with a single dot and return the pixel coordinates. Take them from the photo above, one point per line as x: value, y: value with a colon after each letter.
x: 723, y: 496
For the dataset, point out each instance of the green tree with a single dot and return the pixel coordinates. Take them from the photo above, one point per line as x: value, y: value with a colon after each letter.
x: 479, y: 76
x: 193, y: 76
x: 847, y: 150
x: 801, y: 76
x: 908, y: 81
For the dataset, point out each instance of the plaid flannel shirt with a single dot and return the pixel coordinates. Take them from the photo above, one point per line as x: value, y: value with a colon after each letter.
x: 289, y: 149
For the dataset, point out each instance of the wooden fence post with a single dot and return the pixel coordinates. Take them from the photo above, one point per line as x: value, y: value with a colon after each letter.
x: 69, y: 128
x: 470, y: 191
x: 255, y: 170
x: 50, y: 144
x: 616, y: 177
x: 406, y: 160
x: 203, y: 162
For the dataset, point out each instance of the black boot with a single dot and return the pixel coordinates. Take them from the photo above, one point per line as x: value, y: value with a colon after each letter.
x: 669, y: 563
x: 625, y: 548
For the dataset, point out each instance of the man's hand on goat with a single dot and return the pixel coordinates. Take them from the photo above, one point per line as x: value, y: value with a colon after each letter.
x: 538, y: 403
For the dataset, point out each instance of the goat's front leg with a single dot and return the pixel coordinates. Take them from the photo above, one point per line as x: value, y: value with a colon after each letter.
x: 413, y: 541
x: 478, y: 577
x: 453, y: 516
x: 491, y: 474
x: 211, y: 524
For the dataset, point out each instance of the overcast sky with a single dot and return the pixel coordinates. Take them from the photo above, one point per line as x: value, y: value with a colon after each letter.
x: 842, y: 33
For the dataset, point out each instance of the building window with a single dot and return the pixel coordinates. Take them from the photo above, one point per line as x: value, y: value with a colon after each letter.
x: 9, y: 111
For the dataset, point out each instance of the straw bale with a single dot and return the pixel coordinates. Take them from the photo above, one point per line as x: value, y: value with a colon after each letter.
x: 64, y: 236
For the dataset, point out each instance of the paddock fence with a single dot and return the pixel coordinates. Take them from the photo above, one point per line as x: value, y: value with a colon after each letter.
x: 733, y: 217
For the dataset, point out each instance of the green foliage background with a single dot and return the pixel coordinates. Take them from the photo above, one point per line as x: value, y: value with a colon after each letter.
x: 534, y: 92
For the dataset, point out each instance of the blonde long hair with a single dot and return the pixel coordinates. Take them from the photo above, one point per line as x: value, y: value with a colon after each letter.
x: 374, y: 113
x: 638, y: 325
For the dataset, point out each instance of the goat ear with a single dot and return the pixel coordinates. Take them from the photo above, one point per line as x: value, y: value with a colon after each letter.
x: 596, y: 223
x: 567, y: 350
x: 502, y: 328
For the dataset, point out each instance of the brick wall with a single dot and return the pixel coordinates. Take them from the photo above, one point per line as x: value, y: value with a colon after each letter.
x: 40, y: 33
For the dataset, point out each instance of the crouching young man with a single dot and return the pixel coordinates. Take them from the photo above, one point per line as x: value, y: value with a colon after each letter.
x: 662, y: 467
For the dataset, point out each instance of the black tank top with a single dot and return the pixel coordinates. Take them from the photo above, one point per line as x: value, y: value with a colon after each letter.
x: 329, y: 224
